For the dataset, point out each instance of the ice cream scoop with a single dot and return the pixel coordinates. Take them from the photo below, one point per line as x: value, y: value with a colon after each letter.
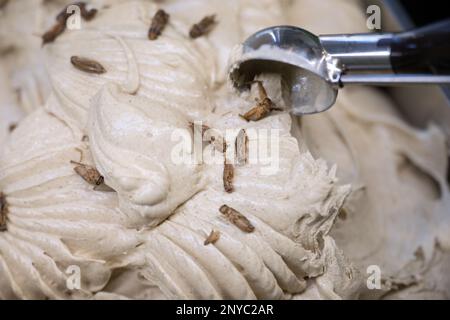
x: 314, y: 67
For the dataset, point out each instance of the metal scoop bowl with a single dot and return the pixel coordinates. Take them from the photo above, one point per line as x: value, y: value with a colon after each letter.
x: 313, y: 68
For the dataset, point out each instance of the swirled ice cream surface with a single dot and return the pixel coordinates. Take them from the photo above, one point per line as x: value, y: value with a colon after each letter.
x: 144, y: 238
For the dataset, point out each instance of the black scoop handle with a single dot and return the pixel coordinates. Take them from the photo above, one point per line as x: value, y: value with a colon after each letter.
x: 422, y: 50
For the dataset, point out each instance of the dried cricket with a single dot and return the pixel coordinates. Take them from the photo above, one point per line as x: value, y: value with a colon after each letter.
x: 212, y: 238
x: 342, y: 214
x: 228, y: 175
x: 88, y: 173
x: 159, y: 21
x: 3, y: 3
x: 3, y: 212
x: 203, y: 27
x: 213, y: 137
x: 218, y: 142
x: 53, y: 33
x: 7, y: 50
x: 12, y: 127
x: 263, y: 107
x: 241, y: 147
x: 204, y: 127
x: 61, y: 20
x: 86, y: 14
x: 237, y: 218
x: 87, y: 65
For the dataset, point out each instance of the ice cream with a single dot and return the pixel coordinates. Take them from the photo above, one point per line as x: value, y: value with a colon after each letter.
x: 397, y: 215
x: 145, y: 238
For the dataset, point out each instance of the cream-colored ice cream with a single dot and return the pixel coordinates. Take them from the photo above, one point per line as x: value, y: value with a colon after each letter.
x: 398, y: 212
x: 145, y: 238
x: 21, y: 24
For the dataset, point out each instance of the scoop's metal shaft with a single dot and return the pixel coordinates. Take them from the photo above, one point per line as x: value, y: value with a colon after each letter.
x: 368, y: 54
x: 361, y: 52
x: 394, y: 79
